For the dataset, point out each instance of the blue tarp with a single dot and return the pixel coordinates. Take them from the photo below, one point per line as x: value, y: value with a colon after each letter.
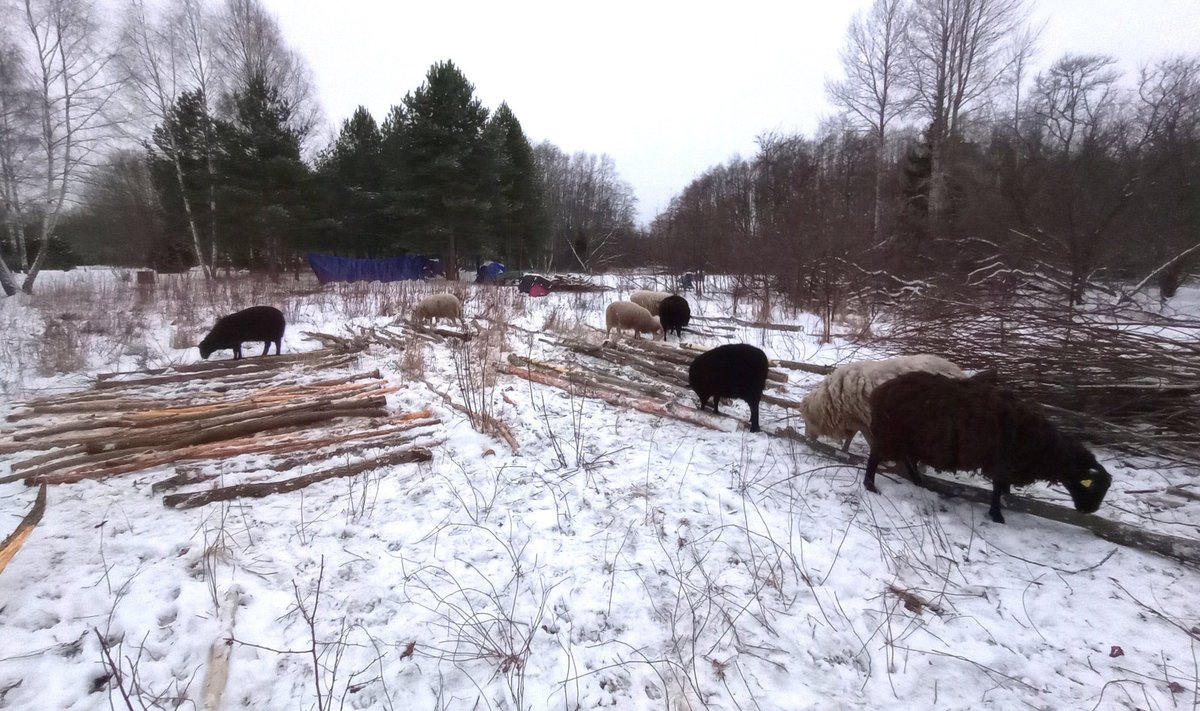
x: 329, y: 268
x: 488, y: 272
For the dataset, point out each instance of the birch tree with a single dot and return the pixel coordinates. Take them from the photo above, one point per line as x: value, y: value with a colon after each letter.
x: 72, y: 97
x: 250, y: 48
x: 17, y: 145
x: 871, y: 94
x: 153, y: 59
x: 958, y: 53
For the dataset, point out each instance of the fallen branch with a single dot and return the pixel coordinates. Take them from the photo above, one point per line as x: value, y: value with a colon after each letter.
x: 266, y: 488
x: 489, y: 423
x: 12, y: 543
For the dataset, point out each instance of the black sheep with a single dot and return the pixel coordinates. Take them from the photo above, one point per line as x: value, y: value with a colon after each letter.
x: 963, y: 424
x: 257, y: 323
x: 736, y: 370
x: 674, y: 314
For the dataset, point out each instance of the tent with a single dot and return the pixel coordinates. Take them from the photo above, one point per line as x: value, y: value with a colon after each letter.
x: 488, y: 272
x: 329, y: 268
x: 531, y: 283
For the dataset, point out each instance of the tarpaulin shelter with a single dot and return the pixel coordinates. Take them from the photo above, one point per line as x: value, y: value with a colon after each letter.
x: 488, y: 272
x: 531, y: 283
x: 329, y: 268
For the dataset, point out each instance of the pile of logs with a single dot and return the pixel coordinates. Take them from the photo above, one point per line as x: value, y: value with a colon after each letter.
x: 647, y: 376
x: 295, y: 405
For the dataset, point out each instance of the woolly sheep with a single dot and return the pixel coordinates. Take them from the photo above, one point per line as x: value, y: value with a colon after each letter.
x: 626, y: 314
x: 257, y: 323
x: 437, y: 306
x: 648, y: 300
x: 674, y: 313
x: 839, y: 407
x: 735, y: 370
x: 962, y: 424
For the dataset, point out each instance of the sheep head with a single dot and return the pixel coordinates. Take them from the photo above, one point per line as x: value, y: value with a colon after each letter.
x: 207, y: 347
x: 1087, y: 484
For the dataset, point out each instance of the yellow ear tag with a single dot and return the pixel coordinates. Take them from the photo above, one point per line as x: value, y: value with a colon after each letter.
x: 1087, y: 483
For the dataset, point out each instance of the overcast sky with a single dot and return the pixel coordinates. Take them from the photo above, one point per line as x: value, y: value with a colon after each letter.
x: 667, y: 89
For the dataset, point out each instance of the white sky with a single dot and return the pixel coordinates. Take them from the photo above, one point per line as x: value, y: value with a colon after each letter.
x: 667, y: 89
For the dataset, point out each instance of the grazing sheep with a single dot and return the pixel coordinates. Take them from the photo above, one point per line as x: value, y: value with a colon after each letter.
x: 962, y: 424
x: 675, y: 314
x: 257, y: 323
x: 648, y: 300
x: 626, y: 314
x: 437, y: 306
x: 839, y: 407
x: 733, y: 370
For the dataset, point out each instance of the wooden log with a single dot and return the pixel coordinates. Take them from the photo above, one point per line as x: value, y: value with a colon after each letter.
x: 298, y: 414
x: 48, y: 457
x: 806, y: 367
x: 109, y: 459
x: 13, y: 542
x: 652, y: 407
x: 597, y: 378
x: 226, y: 375
x: 181, y: 478
x: 214, y: 428
x: 266, y: 488
x: 255, y: 363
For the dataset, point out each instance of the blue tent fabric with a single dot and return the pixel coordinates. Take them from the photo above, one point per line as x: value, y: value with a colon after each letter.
x: 488, y: 272
x: 329, y: 268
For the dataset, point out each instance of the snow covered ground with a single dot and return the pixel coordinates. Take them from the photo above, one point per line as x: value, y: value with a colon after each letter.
x: 617, y: 559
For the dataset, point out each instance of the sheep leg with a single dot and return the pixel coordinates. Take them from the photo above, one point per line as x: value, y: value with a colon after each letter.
x: 914, y: 474
x: 278, y: 346
x: 237, y: 352
x: 869, y: 477
x: 846, y: 444
x: 753, y: 415
x: 998, y: 490
x: 266, y: 348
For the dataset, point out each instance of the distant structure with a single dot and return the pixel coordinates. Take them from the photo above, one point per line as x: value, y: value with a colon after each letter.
x: 330, y: 268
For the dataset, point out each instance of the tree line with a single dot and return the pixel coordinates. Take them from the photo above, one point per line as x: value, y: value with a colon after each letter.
x: 950, y: 156
x: 182, y: 135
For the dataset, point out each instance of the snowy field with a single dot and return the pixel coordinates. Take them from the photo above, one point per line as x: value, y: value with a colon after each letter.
x: 616, y: 559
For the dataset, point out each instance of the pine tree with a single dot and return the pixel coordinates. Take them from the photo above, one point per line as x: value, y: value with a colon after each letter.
x: 444, y: 172
x: 263, y: 178
x: 183, y: 135
x: 352, y: 183
x: 519, y: 215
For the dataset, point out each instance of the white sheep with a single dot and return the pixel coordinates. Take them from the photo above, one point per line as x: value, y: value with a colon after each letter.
x: 437, y: 306
x: 648, y: 300
x: 626, y: 314
x: 840, y: 405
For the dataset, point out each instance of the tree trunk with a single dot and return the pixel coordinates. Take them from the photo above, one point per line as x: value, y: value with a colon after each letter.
x: 939, y: 197
x: 7, y: 281
x: 22, y: 247
x: 187, y: 210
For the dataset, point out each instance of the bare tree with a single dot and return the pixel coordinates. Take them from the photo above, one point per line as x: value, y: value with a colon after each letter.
x: 958, y: 52
x: 72, y: 98
x: 196, y: 25
x: 590, y: 207
x: 17, y: 145
x: 250, y: 45
x: 1082, y: 166
x: 153, y: 57
x: 871, y: 94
